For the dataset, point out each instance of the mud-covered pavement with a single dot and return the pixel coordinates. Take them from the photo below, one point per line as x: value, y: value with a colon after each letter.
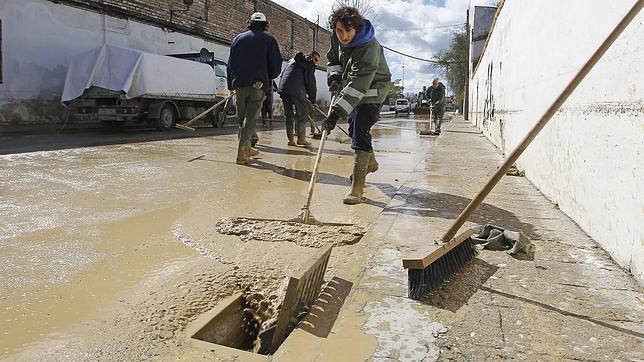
x: 110, y: 252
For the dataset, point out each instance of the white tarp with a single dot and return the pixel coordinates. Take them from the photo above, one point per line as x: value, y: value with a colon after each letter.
x: 137, y: 73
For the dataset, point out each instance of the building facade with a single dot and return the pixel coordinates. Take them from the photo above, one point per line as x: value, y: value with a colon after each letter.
x: 588, y: 159
x: 38, y: 38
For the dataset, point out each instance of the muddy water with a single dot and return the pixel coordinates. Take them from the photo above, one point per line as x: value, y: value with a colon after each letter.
x: 109, y: 252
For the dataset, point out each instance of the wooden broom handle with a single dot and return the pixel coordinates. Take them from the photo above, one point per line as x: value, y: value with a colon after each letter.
x: 316, y: 168
x: 471, y: 207
x: 225, y: 100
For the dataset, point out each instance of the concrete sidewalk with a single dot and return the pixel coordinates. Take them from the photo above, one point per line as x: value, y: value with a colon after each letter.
x: 567, y: 301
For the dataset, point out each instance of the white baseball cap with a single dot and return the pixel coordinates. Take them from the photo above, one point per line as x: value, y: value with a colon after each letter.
x: 258, y: 17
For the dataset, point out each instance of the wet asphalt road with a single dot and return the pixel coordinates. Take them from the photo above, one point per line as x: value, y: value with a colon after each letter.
x: 33, y: 140
x: 11, y: 143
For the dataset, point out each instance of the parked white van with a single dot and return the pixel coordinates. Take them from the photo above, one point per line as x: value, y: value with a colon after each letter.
x: 403, y: 106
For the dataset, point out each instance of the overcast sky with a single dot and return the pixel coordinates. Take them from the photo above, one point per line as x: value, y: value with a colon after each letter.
x: 418, y: 27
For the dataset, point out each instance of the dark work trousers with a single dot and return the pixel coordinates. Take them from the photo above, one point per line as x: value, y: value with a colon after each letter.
x: 296, y: 110
x: 267, y: 107
x: 360, y: 122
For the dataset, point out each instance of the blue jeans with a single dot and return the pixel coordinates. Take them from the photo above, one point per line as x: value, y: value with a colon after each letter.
x: 360, y: 122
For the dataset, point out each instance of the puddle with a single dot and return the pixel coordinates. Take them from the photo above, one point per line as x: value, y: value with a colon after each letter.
x: 301, y: 234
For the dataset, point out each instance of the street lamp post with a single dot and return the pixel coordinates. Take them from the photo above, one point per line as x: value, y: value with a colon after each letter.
x: 403, y: 81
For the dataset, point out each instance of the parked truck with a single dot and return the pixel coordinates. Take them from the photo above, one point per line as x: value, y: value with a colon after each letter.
x: 115, y: 85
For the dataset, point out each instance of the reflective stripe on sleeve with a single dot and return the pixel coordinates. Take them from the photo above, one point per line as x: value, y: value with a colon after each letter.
x: 345, y: 105
x: 371, y: 93
x: 334, y: 69
x: 353, y: 92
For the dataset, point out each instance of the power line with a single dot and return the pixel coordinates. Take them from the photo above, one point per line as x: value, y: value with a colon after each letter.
x: 435, y: 62
x: 421, y: 28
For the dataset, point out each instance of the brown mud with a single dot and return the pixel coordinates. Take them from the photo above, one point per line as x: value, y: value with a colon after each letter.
x: 308, y: 235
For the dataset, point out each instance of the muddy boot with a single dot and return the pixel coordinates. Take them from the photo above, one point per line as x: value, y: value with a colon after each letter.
x: 291, y: 137
x: 253, y: 151
x: 372, y: 167
x: 373, y: 163
x: 301, y: 137
x: 360, y: 164
x: 243, y: 157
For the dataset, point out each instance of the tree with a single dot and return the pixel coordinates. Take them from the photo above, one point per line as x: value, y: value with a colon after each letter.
x: 454, y: 61
x: 397, y: 90
x: 365, y: 7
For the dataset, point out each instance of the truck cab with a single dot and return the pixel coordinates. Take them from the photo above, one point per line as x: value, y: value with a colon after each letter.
x: 220, y: 67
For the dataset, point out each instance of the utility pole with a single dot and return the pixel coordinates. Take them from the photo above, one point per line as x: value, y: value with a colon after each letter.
x: 315, y: 35
x: 466, y: 96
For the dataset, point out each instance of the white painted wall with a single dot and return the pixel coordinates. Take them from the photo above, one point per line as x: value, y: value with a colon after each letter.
x: 39, y: 38
x: 589, y: 158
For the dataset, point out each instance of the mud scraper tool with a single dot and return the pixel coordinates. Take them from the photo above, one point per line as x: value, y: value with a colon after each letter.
x: 428, y: 269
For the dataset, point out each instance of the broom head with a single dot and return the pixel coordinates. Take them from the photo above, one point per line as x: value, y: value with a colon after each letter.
x: 428, y: 269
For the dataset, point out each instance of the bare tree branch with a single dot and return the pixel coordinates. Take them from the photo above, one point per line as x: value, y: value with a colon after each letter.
x: 365, y: 7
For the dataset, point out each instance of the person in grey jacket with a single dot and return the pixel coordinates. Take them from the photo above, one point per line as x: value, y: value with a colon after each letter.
x: 255, y: 60
x: 437, y: 99
x: 298, y: 91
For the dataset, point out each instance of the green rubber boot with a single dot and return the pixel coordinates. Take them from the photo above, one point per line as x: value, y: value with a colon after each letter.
x: 360, y: 165
x: 373, y: 164
x: 372, y: 167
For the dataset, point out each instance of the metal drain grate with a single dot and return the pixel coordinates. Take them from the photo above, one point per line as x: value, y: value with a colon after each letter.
x: 303, y: 288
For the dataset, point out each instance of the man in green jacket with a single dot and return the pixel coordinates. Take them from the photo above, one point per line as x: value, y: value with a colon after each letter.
x: 357, y: 71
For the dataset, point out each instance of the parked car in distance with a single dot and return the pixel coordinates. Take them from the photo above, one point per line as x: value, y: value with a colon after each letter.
x: 402, y: 106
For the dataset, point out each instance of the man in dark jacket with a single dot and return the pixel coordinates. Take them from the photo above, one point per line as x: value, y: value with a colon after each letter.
x: 255, y: 60
x: 296, y: 85
x: 437, y: 99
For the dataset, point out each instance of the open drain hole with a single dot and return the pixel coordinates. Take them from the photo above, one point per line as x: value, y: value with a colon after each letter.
x: 232, y: 327
x: 229, y: 324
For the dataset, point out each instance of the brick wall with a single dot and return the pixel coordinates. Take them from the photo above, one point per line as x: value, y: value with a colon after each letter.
x: 217, y: 20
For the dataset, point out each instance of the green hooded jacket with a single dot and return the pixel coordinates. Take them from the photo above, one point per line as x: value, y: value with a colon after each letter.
x: 362, y: 65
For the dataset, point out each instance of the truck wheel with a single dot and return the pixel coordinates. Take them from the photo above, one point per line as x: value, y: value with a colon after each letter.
x: 219, y: 118
x: 167, y: 118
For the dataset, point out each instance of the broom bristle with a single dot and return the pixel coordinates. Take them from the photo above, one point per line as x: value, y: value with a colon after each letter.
x: 423, y: 281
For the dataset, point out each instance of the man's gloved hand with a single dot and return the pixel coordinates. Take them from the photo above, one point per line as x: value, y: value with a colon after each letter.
x: 329, y: 122
x: 335, y: 87
x: 335, y: 83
